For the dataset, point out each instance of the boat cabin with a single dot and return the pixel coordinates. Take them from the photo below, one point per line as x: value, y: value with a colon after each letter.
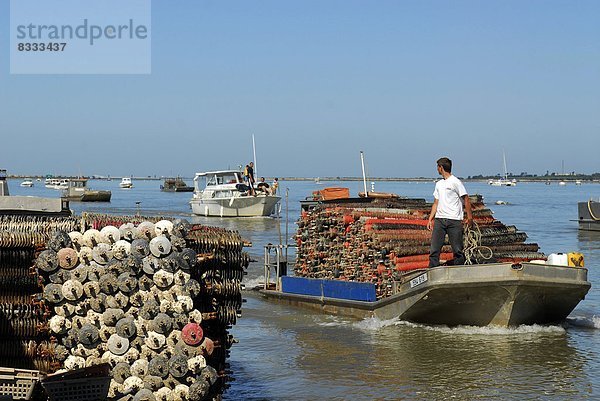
x: 212, y: 179
x: 75, y: 188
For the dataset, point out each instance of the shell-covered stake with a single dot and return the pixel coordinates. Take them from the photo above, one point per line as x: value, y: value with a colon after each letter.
x: 139, y: 298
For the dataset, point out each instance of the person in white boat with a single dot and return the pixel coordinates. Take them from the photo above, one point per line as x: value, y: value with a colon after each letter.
x: 447, y: 214
x: 274, y: 186
x: 263, y: 186
x: 251, y: 181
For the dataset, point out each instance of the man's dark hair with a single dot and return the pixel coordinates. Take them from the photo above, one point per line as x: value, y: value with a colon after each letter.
x: 446, y: 164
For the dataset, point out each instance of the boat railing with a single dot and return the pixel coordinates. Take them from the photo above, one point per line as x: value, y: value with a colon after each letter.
x: 275, y: 262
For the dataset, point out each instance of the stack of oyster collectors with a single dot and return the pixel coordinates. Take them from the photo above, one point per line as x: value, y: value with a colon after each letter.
x: 381, y: 240
x: 155, y: 300
x: 24, y: 336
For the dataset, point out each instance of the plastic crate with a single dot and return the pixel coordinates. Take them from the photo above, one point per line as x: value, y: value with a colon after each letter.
x: 85, y: 389
x: 88, y: 384
x: 18, y: 384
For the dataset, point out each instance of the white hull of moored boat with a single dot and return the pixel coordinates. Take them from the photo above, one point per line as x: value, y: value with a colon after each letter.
x: 238, y: 206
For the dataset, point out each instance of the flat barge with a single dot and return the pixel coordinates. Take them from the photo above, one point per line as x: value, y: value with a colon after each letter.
x: 501, y: 294
x: 368, y: 257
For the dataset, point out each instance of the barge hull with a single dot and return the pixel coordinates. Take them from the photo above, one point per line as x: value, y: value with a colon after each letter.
x: 478, y: 295
x: 246, y: 206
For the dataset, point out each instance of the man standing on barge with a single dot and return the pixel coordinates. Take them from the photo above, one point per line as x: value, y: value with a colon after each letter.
x: 447, y: 214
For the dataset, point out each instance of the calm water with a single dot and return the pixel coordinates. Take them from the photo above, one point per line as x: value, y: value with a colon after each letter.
x: 291, y: 354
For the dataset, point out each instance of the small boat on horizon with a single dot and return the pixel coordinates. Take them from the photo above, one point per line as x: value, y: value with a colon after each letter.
x: 77, y: 190
x: 503, y: 181
x: 126, y: 183
x: 27, y: 183
x: 175, y: 185
x: 57, y: 183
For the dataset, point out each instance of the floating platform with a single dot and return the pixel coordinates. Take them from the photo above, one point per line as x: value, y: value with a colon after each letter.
x: 499, y: 294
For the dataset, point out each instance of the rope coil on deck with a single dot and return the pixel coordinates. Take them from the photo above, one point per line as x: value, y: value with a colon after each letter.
x: 472, y: 245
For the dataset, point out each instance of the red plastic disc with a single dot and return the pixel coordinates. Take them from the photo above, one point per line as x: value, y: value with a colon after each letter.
x: 192, y: 334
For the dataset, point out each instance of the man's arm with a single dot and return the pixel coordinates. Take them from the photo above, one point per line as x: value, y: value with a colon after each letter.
x: 432, y: 214
x: 468, y: 210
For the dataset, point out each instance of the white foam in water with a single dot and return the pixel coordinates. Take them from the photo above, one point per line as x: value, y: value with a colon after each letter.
x: 250, y: 283
x: 591, y: 322
x: 374, y: 324
x: 497, y: 330
x: 333, y: 321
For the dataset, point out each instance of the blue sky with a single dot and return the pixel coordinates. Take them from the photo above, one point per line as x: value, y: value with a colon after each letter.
x: 318, y: 81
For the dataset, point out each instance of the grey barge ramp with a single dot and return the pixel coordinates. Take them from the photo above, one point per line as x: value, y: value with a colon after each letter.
x: 500, y: 294
x: 34, y: 206
x: 29, y: 205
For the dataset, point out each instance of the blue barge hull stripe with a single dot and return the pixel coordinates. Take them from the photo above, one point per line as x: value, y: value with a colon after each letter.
x: 329, y: 288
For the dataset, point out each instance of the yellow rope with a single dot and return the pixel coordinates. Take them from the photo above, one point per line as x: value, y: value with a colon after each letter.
x: 595, y: 218
x: 472, y: 245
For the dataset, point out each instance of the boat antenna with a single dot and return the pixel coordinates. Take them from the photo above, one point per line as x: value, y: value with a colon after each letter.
x: 362, y: 162
x: 254, y: 154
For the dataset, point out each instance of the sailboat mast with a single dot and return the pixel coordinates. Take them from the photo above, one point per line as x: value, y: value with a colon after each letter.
x: 254, y: 155
x: 505, y: 172
x: 362, y: 162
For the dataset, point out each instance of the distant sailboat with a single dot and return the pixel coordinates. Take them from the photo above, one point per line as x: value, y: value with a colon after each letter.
x: 504, y: 181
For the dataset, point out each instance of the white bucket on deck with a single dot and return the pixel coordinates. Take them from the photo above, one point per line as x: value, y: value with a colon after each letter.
x: 558, y: 259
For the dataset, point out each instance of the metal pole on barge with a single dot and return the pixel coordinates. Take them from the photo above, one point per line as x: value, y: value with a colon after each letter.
x: 362, y: 162
x: 287, y: 195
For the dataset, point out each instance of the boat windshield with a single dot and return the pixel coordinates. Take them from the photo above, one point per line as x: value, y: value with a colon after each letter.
x: 219, y: 179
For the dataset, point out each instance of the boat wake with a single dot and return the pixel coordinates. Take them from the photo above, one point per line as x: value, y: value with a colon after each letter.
x: 332, y: 321
x: 589, y: 322
x: 493, y: 330
x: 253, y: 282
x: 375, y: 324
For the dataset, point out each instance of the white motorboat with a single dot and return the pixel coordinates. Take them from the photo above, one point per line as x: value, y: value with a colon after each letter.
x: 50, y: 183
x: 501, y: 182
x: 27, y: 183
x: 504, y: 181
x: 126, y: 183
x: 55, y: 183
x: 225, y: 194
